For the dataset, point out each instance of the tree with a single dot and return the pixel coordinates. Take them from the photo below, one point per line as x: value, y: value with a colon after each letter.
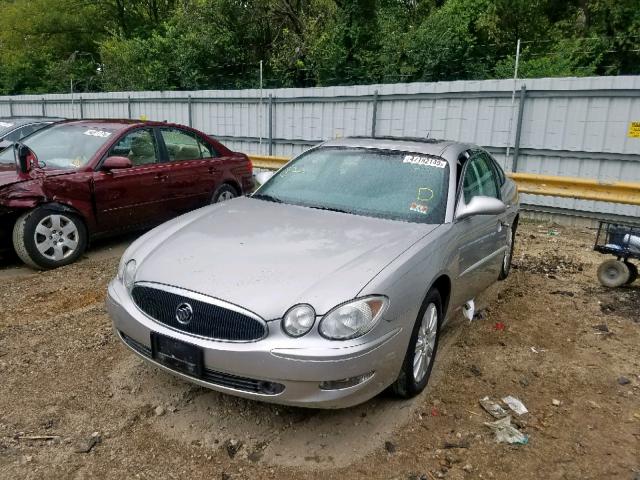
x: 47, y: 45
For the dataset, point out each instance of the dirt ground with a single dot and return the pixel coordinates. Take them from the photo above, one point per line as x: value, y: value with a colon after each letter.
x: 74, y: 403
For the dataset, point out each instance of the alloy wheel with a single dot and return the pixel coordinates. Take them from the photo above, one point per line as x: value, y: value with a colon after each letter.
x: 56, y: 237
x: 507, y: 257
x: 425, y: 343
x: 226, y: 195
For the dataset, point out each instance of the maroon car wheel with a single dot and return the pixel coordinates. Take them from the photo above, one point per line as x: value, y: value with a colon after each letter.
x: 47, y: 239
x: 223, y: 193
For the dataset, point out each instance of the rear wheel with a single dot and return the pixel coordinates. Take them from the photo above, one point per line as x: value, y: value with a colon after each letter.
x: 46, y: 239
x: 633, y: 272
x: 508, y: 256
x: 223, y: 193
x: 613, y: 273
x: 421, y: 352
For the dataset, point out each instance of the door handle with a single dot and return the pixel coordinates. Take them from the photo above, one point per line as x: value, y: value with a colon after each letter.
x: 212, y: 170
x: 161, y: 177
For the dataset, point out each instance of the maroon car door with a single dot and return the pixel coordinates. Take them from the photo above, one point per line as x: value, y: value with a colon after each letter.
x: 133, y: 196
x: 193, y: 171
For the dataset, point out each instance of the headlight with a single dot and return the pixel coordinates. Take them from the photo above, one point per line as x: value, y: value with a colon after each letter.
x: 129, y: 274
x: 352, y: 319
x: 298, y: 320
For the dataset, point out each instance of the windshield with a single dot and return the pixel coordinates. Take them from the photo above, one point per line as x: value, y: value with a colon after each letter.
x: 377, y: 183
x: 66, y: 146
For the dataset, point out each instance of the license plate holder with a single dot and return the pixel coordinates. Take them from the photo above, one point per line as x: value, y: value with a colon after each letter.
x: 177, y: 355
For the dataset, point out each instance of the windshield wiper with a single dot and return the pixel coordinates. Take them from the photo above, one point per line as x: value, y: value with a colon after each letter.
x: 268, y: 198
x: 330, y: 209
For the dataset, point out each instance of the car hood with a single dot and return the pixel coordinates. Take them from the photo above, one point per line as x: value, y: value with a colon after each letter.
x: 267, y: 256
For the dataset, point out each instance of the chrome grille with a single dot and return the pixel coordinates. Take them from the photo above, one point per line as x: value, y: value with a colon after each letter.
x: 208, y: 320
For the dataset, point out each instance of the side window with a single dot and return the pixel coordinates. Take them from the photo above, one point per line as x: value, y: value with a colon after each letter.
x: 20, y: 133
x: 138, y: 146
x: 183, y: 145
x: 13, y: 136
x: 498, y: 169
x: 479, y: 179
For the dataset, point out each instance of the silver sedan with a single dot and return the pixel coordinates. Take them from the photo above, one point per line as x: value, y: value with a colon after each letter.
x: 329, y: 284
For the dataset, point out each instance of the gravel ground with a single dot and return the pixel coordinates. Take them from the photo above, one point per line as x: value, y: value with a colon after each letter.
x: 75, y: 403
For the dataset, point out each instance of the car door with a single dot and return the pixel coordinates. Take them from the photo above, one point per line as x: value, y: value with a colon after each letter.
x: 133, y: 196
x: 506, y: 192
x: 192, y: 169
x: 480, y: 237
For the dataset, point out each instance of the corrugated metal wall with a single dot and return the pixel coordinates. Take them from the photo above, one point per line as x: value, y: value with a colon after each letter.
x: 569, y: 126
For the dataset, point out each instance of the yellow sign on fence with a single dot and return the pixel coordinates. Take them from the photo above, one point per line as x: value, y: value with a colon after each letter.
x: 634, y: 130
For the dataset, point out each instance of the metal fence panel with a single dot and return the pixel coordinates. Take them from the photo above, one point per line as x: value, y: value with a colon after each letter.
x: 570, y: 126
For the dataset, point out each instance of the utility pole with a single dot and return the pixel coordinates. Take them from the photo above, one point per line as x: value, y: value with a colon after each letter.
x: 513, y: 101
x: 260, y: 125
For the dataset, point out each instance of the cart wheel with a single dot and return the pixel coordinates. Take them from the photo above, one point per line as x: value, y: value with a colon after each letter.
x: 633, y: 272
x: 613, y: 273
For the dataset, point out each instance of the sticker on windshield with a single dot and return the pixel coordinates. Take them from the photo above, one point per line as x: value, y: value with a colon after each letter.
x: 6, y: 125
x: 418, y: 208
x: 289, y: 170
x: 424, y: 194
x: 426, y: 161
x: 97, y: 133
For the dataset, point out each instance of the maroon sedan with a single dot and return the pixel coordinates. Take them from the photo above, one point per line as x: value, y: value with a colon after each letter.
x: 87, y: 178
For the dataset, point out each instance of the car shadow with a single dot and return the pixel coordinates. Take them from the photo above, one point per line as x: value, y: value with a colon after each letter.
x: 103, y: 248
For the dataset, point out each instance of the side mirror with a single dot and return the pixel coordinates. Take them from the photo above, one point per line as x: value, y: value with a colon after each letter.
x: 24, y: 157
x: 116, y: 163
x: 263, y: 177
x: 481, y: 206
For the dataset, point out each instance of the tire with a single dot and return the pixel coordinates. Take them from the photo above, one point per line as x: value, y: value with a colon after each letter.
x: 633, y: 272
x: 408, y: 384
x: 508, y: 256
x: 30, y: 240
x: 223, y: 193
x: 613, y: 273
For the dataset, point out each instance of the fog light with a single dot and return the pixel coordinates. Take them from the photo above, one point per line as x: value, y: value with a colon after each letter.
x: 271, y: 388
x: 345, y: 382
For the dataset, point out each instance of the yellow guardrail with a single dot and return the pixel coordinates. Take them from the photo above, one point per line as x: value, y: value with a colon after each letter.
x: 268, y: 162
x: 569, y: 187
x: 580, y: 188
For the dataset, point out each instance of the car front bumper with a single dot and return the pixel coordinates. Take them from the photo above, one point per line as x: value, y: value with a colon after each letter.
x: 237, y: 368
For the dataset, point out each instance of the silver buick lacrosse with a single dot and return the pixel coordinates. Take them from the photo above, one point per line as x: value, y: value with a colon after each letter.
x: 328, y: 285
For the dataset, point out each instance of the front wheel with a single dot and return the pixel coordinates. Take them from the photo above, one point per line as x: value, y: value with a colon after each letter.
x: 421, y: 353
x: 45, y: 239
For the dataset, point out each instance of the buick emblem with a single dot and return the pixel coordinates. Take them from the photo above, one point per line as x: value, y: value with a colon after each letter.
x: 184, y: 313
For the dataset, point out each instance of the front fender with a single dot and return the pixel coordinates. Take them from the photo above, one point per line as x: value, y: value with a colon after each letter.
x: 23, y: 195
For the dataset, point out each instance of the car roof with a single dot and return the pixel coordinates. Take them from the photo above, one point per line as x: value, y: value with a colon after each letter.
x: 426, y: 146
x: 117, y: 123
x: 19, y: 121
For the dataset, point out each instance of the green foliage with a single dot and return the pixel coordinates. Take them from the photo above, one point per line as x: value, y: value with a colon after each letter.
x: 92, y: 45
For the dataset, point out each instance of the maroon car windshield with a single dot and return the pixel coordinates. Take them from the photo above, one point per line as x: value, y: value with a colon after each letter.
x: 64, y: 146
